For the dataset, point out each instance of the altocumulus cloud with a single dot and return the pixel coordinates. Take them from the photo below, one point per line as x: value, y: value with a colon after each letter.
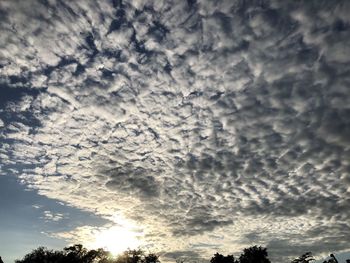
x: 189, y: 117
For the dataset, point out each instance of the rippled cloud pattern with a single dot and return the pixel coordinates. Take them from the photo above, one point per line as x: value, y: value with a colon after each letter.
x: 213, y: 124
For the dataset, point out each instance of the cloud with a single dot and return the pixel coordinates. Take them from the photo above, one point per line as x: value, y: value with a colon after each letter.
x: 37, y: 206
x: 49, y: 216
x: 183, y: 256
x: 188, y: 118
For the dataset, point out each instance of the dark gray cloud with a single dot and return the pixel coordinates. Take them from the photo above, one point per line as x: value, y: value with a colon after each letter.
x: 192, y: 117
x: 185, y: 256
x: 133, y: 182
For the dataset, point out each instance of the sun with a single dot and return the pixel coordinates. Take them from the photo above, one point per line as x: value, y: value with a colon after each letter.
x: 117, y: 239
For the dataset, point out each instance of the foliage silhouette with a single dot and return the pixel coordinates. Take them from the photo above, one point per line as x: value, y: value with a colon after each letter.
x: 332, y: 259
x: 42, y: 255
x: 305, y: 258
x: 137, y: 256
x: 219, y: 258
x: 254, y: 255
x: 79, y: 254
x: 72, y: 254
x: 151, y: 258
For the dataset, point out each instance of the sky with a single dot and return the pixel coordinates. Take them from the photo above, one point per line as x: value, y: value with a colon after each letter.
x: 183, y: 127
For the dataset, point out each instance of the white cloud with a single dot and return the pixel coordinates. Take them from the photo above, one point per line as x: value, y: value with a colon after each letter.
x: 49, y: 216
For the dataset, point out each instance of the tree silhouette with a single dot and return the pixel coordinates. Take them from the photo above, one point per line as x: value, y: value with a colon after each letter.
x: 151, y: 258
x: 77, y: 253
x: 254, y: 255
x: 334, y: 258
x: 42, y: 255
x: 331, y: 260
x: 72, y: 254
x: 305, y: 258
x: 131, y: 256
x: 137, y: 256
x: 219, y: 258
x: 1, y: 260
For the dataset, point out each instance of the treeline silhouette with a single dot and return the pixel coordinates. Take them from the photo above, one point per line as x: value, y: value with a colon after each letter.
x: 79, y: 254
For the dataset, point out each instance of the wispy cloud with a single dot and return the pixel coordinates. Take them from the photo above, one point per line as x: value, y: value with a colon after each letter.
x: 49, y: 216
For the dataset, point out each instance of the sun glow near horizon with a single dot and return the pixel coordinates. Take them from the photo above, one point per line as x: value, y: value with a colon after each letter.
x: 117, y: 239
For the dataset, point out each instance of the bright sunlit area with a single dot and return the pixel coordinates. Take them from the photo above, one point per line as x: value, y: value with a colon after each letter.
x: 117, y: 239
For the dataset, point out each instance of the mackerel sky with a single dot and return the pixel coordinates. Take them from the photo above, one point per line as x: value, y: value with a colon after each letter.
x: 198, y: 126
